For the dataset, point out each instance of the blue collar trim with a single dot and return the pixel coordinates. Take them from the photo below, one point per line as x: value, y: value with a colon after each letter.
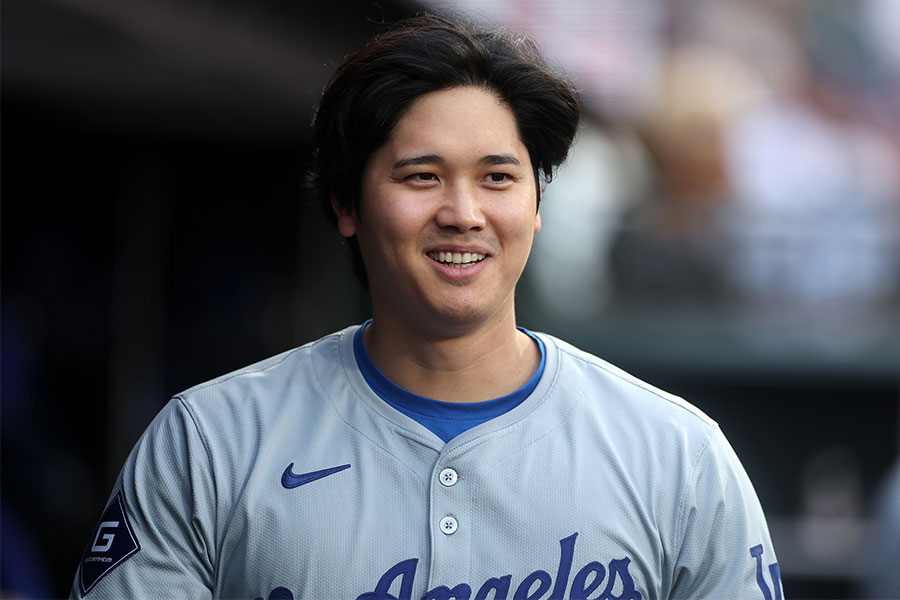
x: 458, y: 416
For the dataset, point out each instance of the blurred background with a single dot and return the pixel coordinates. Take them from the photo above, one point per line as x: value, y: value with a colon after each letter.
x: 728, y: 228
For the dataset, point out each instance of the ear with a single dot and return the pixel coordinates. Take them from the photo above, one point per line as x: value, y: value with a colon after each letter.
x: 345, y: 221
x: 537, y: 222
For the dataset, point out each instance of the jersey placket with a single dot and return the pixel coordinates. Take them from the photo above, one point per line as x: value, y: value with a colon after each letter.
x: 451, y: 524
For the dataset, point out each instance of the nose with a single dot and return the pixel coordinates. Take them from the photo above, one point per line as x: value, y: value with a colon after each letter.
x: 460, y: 209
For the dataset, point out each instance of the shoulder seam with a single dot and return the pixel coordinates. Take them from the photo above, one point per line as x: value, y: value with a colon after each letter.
x: 680, y: 523
x: 193, y: 417
x: 205, y: 443
x: 634, y: 381
x: 247, y: 371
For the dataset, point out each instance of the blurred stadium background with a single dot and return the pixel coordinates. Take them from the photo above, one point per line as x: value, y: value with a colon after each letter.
x: 728, y: 228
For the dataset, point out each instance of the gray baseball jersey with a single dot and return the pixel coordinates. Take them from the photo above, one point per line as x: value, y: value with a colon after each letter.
x: 292, y: 479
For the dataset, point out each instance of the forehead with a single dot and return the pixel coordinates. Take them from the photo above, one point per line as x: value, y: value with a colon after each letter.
x: 462, y: 118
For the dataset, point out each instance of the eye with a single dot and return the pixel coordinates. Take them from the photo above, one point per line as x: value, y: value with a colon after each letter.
x: 498, y: 180
x: 422, y: 179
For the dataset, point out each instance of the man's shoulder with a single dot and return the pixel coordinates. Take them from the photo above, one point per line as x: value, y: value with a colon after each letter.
x: 605, y: 384
x: 255, y: 381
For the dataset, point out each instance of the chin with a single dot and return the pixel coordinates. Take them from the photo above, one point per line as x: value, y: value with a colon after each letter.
x: 462, y: 316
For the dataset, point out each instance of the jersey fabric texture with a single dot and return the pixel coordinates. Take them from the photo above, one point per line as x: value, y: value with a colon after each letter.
x: 293, y: 479
x: 445, y: 419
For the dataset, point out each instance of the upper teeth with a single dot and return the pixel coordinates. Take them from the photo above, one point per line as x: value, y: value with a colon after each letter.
x: 456, y: 257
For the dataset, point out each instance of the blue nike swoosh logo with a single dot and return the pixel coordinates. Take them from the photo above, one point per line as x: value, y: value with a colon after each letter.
x: 290, y: 480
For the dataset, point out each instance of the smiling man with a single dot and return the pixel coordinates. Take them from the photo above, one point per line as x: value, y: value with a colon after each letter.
x: 447, y: 215
x: 438, y: 450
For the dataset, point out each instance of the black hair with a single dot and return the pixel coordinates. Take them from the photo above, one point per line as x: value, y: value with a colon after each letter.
x: 374, y: 87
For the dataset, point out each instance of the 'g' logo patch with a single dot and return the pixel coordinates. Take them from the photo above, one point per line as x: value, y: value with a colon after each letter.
x: 112, y: 543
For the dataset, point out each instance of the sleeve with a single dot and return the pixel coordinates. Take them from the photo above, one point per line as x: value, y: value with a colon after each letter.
x: 726, y: 550
x: 156, y: 537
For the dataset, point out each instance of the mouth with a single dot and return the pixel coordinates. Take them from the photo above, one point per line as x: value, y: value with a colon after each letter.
x: 457, y: 260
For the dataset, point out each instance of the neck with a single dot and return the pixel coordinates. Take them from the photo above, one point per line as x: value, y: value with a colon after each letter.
x: 488, y: 362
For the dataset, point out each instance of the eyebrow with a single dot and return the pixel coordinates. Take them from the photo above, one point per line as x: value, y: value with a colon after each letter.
x: 500, y: 159
x: 429, y: 159
x: 425, y: 159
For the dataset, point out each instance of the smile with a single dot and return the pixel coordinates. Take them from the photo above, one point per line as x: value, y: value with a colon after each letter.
x: 458, y: 260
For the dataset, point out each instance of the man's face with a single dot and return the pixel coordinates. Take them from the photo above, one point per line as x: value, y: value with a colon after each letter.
x: 448, y: 214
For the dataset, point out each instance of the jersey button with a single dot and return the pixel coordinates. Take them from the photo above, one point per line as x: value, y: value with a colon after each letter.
x: 448, y: 477
x: 449, y: 525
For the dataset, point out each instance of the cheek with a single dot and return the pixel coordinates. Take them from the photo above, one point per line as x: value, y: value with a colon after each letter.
x: 524, y: 225
x: 403, y: 218
x: 388, y: 232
